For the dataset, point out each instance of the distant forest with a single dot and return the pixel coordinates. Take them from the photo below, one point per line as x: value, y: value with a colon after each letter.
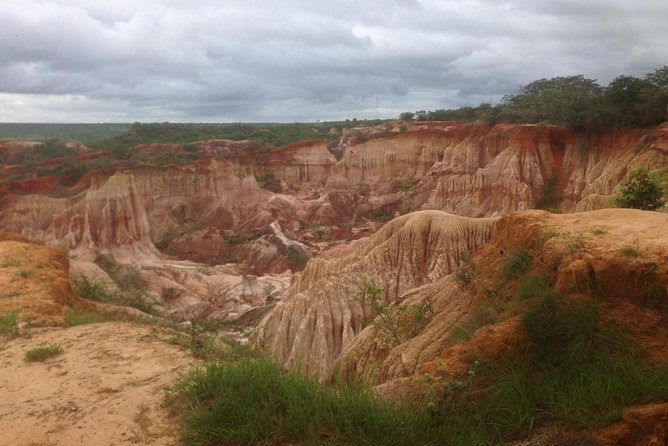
x: 573, y: 101
x: 117, y: 136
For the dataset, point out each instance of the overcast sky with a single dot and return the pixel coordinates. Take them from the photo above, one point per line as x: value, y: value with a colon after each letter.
x: 308, y: 60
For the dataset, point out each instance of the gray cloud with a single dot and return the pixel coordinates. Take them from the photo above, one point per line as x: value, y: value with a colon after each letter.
x: 300, y: 60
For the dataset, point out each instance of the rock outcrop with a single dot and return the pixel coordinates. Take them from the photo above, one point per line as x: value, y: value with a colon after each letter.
x: 34, y: 282
x: 319, y: 317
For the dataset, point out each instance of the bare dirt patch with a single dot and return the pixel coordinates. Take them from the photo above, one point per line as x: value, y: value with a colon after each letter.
x: 106, y: 388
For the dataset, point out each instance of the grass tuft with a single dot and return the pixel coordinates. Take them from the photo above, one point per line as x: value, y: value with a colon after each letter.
x: 74, y: 318
x: 629, y: 251
x: 9, y: 324
x: 517, y: 263
x: 43, y: 352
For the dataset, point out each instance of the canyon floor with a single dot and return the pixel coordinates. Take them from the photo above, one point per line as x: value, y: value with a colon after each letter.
x: 106, y: 388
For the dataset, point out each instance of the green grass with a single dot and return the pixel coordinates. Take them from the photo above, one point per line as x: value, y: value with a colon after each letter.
x: 534, y: 286
x: 9, y: 324
x: 599, y: 231
x: 517, y: 263
x: 43, y: 352
x: 253, y: 401
x: 629, y: 251
x: 74, y: 318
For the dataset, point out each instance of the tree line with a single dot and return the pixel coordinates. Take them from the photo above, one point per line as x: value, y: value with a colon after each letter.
x: 573, y: 101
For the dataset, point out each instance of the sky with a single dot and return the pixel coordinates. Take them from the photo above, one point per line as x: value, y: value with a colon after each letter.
x: 305, y: 60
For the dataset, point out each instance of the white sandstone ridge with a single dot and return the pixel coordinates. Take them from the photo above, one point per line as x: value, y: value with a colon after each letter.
x: 319, y: 317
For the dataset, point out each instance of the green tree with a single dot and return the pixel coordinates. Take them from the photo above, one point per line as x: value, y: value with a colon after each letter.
x: 640, y: 191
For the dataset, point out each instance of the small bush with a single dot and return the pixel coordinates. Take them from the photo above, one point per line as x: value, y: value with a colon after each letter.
x: 74, y: 318
x: 641, y: 191
x: 9, y: 324
x: 43, y: 352
x: 599, y: 231
x: 396, y: 323
x: 517, y: 263
x: 629, y: 251
x: 406, y: 186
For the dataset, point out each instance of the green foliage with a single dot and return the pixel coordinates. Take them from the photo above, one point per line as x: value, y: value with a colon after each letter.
x: 395, y: 323
x: 641, y: 191
x: 406, y: 186
x: 381, y: 215
x: 9, y: 324
x: 263, y: 134
x: 405, y: 208
x: 407, y: 116
x: 549, y: 200
x: 268, y: 181
x: 534, y: 286
x: 517, y: 263
x: 75, y: 318
x: 43, y: 352
x: 298, y: 258
x: 253, y: 401
x: 629, y: 251
x: 599, y: 231
x: 574, y: 101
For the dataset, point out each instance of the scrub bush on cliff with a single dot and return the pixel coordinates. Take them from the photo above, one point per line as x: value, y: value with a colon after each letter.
x: 640, y: 191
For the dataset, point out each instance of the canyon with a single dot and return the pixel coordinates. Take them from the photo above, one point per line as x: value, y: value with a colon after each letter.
x: 305, y: 253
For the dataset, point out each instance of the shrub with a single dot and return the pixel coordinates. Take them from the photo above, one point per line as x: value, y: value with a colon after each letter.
x: 406, y: 186
x: 9, y: 324
x: 517, y: 263
x: 43, y: 352
x: 629, y: 251
x: 396, y: 323
x: 640, y: 191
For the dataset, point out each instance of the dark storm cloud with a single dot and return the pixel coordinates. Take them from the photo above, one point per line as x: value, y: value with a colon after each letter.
x: 292, y: 60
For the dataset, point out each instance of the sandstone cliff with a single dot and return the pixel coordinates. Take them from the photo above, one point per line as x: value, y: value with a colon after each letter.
x: 319, y: 317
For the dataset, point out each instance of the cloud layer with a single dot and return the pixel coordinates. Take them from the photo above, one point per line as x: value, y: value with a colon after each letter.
x: 304, y: 60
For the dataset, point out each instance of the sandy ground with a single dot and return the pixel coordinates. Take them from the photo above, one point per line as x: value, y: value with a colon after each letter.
x: 106, y: 388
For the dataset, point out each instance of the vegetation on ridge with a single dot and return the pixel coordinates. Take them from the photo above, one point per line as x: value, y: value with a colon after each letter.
x: 573, y: 101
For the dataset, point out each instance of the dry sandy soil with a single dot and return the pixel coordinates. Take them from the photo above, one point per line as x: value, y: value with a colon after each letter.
x: 106, y: 388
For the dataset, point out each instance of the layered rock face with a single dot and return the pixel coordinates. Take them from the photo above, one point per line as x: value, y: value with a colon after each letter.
x: 319, y: 317
x: 214, y: 211
x: 323, y: 328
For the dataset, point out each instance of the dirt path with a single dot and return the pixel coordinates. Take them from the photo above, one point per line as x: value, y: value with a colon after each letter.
x: 105, y: 389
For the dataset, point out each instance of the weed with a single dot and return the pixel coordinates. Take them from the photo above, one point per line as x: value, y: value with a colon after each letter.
x: 517, y: 263
x: 43, y: 352
x: 534, y: 286
x: 547, y: 234
x: 406, y: 186
x: 396, y: 323
x: 297, y: 257
x: 629, y: 251
x: 9, y: 324
x: 74, y: 318
x: 405, y: 209
x: 599, y: 231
